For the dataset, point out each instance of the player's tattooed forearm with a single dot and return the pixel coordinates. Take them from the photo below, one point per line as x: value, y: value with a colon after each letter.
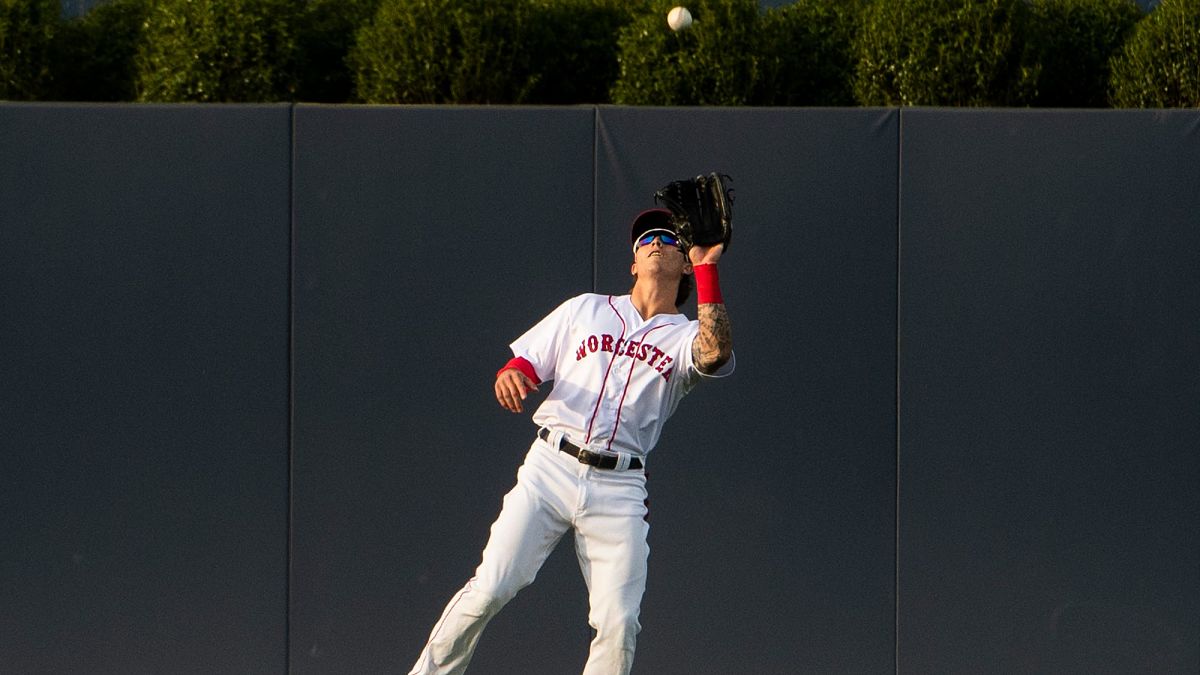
x: 714, y: 344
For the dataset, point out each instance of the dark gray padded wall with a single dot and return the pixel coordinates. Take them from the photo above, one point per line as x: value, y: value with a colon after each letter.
x: 772, y: 492
x: 1048, y: 377
x: 1050, y: 308
x: 143, y: 412
x: 427, y: 240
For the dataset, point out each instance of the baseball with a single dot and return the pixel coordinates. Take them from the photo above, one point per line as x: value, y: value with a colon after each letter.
x: 679, y: 18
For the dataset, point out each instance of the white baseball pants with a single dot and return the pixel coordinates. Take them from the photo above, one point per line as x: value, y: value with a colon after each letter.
x: 555, y: 493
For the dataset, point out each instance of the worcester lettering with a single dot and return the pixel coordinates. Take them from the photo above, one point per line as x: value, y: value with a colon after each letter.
x: 646, y: 353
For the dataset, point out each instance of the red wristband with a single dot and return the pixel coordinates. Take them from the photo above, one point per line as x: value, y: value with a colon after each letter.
x: 708, y: 286
x: 522, y: 365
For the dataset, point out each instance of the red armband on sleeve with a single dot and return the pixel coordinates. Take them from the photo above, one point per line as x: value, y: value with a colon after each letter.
x: 708, y: 286
x: 522, y: 365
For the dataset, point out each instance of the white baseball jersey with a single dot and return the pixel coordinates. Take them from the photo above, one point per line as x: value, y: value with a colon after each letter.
x: 617, y: 377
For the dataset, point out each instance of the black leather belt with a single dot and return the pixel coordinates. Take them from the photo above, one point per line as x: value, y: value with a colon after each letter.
x: 587, y: 456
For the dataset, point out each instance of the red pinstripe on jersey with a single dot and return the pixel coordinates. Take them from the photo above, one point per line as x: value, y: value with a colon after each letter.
x: 604, y: 382
x: 632, y: 363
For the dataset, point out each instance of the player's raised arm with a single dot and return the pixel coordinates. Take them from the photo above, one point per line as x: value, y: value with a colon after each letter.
x: 714, y: 343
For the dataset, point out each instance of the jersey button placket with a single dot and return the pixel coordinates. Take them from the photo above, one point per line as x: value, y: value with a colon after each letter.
x: 612, y: 400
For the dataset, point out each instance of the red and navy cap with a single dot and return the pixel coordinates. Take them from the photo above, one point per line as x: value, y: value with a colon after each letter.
x: 651, y: 219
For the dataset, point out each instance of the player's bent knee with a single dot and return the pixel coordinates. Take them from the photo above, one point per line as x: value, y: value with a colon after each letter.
x: 484, y: 603
x: 499, y: 589
x: 620, y: 624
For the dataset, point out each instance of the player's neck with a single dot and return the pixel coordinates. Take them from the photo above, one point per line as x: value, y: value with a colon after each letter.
x: 651, y: 298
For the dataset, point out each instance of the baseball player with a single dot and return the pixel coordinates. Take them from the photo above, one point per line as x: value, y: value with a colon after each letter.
x: 620, y: 365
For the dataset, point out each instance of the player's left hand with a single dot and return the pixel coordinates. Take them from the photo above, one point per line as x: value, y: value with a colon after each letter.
x: 705, y: 255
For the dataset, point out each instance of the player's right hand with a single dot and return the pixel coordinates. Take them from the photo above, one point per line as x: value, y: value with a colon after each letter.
x: 512, y: 386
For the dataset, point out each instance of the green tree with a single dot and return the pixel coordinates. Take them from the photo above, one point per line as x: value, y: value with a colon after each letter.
x: 219, y: 51
x: 326, y: 36
x: 806, y: 56
x: 446, y: 51
x: 1159, y: 66
x: 943, y: 52
x: 715, y: 62
x: 577, y: 46
x: 1069, y: 47
x: 27, y: 34
x: 97, y: 53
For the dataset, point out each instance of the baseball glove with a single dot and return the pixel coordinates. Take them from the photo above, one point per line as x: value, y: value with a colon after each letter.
x: 702, y: 209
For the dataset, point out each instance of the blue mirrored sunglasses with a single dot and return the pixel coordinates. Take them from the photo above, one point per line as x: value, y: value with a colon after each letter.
x: 667, y: 239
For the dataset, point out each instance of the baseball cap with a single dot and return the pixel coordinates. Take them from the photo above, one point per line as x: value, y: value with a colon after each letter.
x: 650, y: 219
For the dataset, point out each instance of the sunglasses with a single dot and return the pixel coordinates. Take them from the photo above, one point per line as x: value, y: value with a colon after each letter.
x: 667, y: 239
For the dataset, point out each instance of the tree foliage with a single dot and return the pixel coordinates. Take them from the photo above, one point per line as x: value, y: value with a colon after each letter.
x: 943, y: 53
x: 1060, y: 53
x: 715, y: 62
x: 1159, y: 66
x: 577, y: 45
x: 325, y: 37
x: 445, y: 51
x: 97, y: 53
x: 489, y: 51
x: 805, y: 54
x: 219, y: 51
x: 27, y: 36
x: 1069, y: 46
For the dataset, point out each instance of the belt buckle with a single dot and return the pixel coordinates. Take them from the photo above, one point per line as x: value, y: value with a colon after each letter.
x: 587, y: 457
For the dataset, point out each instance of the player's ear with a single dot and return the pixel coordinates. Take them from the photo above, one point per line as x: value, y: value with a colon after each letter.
x: 687, y: 267
x: 633, y: 269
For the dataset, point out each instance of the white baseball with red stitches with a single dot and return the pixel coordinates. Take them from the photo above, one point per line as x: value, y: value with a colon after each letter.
x: 679, y: 18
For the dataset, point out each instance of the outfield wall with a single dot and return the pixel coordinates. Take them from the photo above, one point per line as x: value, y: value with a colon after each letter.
x: 248, y: 424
